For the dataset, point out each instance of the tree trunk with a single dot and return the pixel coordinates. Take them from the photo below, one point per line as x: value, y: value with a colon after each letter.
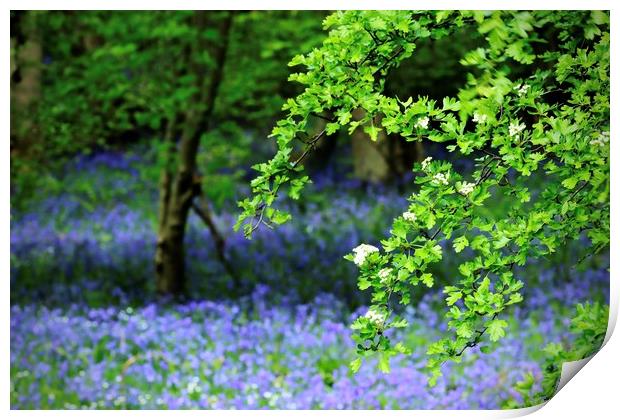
x: 26, y: 57
x: 175, y: 201
x: 179, y: 187
x: 370, y: 158
x: 388, y: 158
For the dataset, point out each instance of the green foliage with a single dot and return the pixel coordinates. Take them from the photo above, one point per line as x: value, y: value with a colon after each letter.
x: 589, y: 326
x: 552, y: 121
x: 112, y: 77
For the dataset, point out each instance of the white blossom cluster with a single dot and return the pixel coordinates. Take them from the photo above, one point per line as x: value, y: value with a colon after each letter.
x: 440, y: 178
x: 409, y: 216
x: 479, y: 118
x: 422, y: 122
x: 466, y: 188
x: 515, y: 128
x: 522, y: 89
x: 384, y: 274
x: 426, y: 162
x: 375, y: 317
x: 361, y: 252
x: 601, y: 140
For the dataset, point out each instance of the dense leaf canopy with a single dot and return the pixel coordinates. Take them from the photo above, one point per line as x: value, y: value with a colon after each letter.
x: 553, y: 121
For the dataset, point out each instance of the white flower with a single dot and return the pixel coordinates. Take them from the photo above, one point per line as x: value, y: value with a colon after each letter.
x: 440, y: 178
x: 384, y: 274
x: 479, y: 118
x: 522, y: 89
x: 515, y: 128
x: 361, y: 252
x: 466, y: 188
x: 422, y: 122
x: 601, y: 140
x: 409, y: 216
x: 426, y: 162
x: 375, y: 317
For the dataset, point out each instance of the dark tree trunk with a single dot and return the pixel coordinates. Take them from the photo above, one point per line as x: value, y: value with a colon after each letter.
x: 179, y: 186
x: 170, y: 256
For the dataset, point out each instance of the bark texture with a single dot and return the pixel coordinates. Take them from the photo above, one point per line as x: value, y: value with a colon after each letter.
x: 26, y: 58
x: 382, y: 160
x: 179, y: 184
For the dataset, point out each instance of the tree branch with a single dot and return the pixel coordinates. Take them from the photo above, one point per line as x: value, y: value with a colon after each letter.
x: 220, y: 243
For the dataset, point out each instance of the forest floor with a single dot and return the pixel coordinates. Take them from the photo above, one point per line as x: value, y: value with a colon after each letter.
x: 88, y: 332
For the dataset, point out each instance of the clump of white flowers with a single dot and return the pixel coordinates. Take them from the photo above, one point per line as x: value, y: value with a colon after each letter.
x: 601, y: 140
x: 422, y: 122
x: 384, y: 274
x: 409, y: 216
x: 479, y: 118
x: 375, y: 317
x: 466, y: 187
x: 440, y: 178
x: 515, y: 128
x: 361, y: 252
x: 522, y: 89
x: 426, y: 162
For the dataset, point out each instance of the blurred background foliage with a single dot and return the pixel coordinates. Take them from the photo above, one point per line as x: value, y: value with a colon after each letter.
x: 107, y: 79
x: 113, y: 79
x: 92, y: 96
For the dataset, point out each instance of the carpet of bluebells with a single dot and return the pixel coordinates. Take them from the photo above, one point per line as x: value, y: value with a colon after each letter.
x: 87, y: 330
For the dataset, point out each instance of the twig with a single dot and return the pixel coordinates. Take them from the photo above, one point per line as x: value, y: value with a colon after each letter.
x: 220, y: 244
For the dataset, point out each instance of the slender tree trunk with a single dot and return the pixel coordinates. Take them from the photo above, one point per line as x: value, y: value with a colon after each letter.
x: 179, y: 187
x: 177, y: 190
x: 165, y: 261
x: 26, y: 57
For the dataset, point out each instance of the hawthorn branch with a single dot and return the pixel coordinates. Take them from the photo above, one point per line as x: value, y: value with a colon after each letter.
x: 310, y: 146
x: 323, y: 117
x: 476, y: 340
x: 389, y: 60
x: 577, y: 191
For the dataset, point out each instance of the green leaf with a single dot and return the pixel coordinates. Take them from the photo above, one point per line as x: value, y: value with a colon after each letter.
x: 400, y: 348
x: 279, y: 217
x: 465, y: 330
x: 451, y: 104
x: 496, y: 329
x: 570, y: 182
x: 363, y: 283
x: 399, y: 323
x: 427, y: 279
x: 553, y: 349
x: 460, y: 243
x: 355, y: 365
x: 372, y: 131
x: 501, y: 242
x: 384, y: 363
x: 435, y: 374
x: 453, y: 297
